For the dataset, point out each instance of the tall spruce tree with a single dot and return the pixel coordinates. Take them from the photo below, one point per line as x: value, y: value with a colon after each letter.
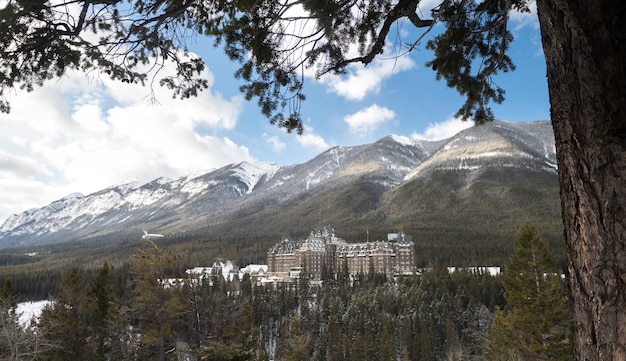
x: 101, y: 306
x: 156, y: 307
x: 18, y: 341
x: 535, y: 324
x: 67, y: 320
x: 11, y: 340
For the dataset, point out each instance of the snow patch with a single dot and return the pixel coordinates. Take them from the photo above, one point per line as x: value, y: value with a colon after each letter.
x: 28, y: 311
x: 406, y: 141
x: 72, y: 196
x: 251, y: 173
x: 128, y: 186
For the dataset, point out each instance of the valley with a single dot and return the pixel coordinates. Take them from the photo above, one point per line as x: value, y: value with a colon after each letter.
x: 462, y: 199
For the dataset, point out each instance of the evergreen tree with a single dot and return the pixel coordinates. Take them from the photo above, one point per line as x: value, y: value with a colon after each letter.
x: 6, y: 293
x: 535, y: 325
x: 17, y: 341
x: 101, y: 306
x: 296, y: 340
x: 156, y: 307
x: 240, y: 341
x: 10, y: 333
x: 67, y: 321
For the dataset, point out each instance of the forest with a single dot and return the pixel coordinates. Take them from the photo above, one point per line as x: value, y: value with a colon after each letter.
x: 135, y: 314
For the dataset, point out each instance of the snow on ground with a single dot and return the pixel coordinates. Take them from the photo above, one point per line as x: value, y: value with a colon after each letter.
x: 30, y: 310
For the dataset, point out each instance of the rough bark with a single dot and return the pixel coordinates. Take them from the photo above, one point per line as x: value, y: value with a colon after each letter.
x: 584, y: 44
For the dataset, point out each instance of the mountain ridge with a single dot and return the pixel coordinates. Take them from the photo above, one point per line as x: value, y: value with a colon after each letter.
x: 237, y: 191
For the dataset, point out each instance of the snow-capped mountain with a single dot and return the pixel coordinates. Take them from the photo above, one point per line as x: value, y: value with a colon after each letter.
x: 503, y: 144
x: 76, y: 215
x: 237, y: 190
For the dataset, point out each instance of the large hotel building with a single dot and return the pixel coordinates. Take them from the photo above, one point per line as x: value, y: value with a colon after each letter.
x: 322, y: 249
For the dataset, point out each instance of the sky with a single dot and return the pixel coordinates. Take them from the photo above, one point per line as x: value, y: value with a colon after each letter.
x: 83, y: 133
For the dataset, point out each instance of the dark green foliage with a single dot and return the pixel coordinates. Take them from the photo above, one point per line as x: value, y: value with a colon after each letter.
x: 6, y: 293
x: 417, y: 318
x: 453, y: 222
x: 46, y: 41
x: 267, y: 38
x: 17, y: 341
x: 8, y: 318
x: 410, y: 318
x: 67, y: 320
x: 472, y: 50
x: 155, y: 305
x: 79, y: 320
x: 101, y: 305
x: 535, y: 325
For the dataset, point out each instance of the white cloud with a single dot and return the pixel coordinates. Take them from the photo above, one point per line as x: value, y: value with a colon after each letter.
x: 81, y: 135
x: 275, y: 142
x: 443, y: 130
x: 523, y: 19
x: 425, y: 6
x: 364, y: 80
x: 367, y: 120
x: 19, y: 195
x: 309, y: 139
x: 360, y: 80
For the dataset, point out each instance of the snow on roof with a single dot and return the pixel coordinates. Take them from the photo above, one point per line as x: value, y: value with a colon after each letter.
x: 255, y: 268
x: 199, y: 270
x: 228, y: 270
x: 492, y: 271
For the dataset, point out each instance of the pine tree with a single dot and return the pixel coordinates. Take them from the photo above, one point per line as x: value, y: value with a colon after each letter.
x: 67, y: 320
x: 239, y: 342
x: 296, y: 343
x: 101, y: 305
x: 10, y: 332
x: 156, y: 307
x: 535, y: 325
x: 17, y: 341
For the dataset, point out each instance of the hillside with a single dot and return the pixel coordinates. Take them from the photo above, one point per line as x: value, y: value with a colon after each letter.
x: 462, y: 199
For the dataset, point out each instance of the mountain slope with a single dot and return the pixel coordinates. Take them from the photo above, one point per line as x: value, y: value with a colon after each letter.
x: 500, y: 144
x: 481, y: 183
x: 468, y: 214
x: 131, y: 205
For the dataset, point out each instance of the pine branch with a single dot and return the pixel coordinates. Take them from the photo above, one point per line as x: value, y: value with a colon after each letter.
x: 404, y: 8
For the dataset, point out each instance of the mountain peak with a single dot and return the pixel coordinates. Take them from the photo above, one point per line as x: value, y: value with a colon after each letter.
x: 404, y: 140
x: 255, y: 186
x: 72, y: 196
x: 494, y: 144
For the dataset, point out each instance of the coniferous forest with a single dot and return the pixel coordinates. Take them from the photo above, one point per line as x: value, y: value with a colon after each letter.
x: 138, y: 314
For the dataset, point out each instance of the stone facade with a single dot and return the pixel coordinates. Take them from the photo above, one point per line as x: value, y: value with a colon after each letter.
x: 323, y: 251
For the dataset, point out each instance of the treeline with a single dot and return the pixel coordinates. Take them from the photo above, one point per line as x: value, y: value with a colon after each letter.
x: 146, y: 315
x: 427, y: 318
x: 369, y: 318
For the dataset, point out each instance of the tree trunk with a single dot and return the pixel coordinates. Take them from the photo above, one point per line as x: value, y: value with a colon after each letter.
x: 584, y: 44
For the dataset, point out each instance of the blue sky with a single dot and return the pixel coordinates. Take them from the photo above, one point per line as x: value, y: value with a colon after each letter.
x: 83, y: 133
